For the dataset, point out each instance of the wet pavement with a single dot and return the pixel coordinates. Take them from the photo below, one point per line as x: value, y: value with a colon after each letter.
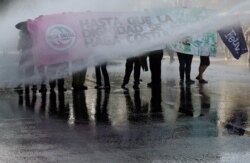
x: 171, y: 123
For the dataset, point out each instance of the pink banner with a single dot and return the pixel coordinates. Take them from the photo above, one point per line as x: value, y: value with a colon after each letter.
x: 70, y: 36
x: 56, y: 38
x: 65, y: 37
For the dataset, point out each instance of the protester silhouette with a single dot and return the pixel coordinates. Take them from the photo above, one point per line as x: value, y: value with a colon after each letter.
x: 79, y: 76
x: 33, y: 101
x: 185, y: 61
x: 204, y: 63
x: 132, y: 63
x: 26, y: 65
x: 20, y: 99
x: 42, y: 73
x: 54, y: 70
x: 52, y: 103
x: 43, y: 101
x: 29, y: 103
x: 101, y: 70
x: 155, y: 58
x: 27, y: 100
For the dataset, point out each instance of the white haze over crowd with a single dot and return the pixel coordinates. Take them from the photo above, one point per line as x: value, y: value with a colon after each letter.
x: 21, y: 10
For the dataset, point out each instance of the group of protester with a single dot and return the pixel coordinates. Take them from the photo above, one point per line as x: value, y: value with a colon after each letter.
x: 137, y: 63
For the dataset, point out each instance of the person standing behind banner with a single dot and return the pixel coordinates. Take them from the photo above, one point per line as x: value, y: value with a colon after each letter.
x: 54, y: 70
x: 185, y: 61
x: 131, y: 63
x: 26, y: 62
x: 99, y: 71
x: 204, y: 63
x: 78, y: 77
x: 155, y: 58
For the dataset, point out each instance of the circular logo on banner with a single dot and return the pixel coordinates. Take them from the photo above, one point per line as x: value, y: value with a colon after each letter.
x: 60, y: 37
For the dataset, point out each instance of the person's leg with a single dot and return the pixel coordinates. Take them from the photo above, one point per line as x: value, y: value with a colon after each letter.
x: 75, y: 80
x: 78, y: 80
x: 105, y: 75
x: 52, y: 84
x: 128, y: 71
x: 204, y: 63
x: 137, y: 73
x: 188, y: 59
x: 157, y: 76
x: 84, y: 72
x: 32, y: 74
x: 151, y: 67
x: 156, y: 67
x: 181, y: 58
x: 98, y: 77
x: 202, y: 69
x: 41, y: 71
x: 60, y: 85
x: 51, y: 74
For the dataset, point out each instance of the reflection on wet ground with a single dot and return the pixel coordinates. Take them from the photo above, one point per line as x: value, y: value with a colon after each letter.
x: 165, y: 123
x: 161, y: 104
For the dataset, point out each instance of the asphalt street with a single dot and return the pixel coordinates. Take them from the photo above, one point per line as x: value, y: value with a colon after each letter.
x: 172, y: 123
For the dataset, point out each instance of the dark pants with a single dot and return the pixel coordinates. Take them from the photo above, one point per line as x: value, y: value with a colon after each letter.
x: 102, y: 69
x: 53, y: 71
x: 155, y: 58
x: 130, y: 64
x: 78, y: 79
x: 185, y: 61
x: 60, y: 84
x: 27, y: 69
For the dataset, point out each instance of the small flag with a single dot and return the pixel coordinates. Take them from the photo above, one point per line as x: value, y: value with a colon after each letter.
x: 233, y: 38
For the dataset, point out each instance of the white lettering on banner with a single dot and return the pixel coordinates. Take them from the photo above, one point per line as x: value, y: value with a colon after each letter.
x: 135, y: 32
x: 111, y: 30
x: 231, y: 37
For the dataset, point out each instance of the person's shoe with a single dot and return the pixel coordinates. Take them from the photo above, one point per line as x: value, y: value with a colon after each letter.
x: 83, y: 87
x: 136, y: 87
x: 123, y: 87
x: 98, y: 87
x: 150, y: 84
x: 189, y: 82
x: 62, y: 89
x: 202, y: 81
x: 198, y: 78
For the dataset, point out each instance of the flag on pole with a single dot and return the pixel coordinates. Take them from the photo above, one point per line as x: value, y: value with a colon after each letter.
x: 233, y: 38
